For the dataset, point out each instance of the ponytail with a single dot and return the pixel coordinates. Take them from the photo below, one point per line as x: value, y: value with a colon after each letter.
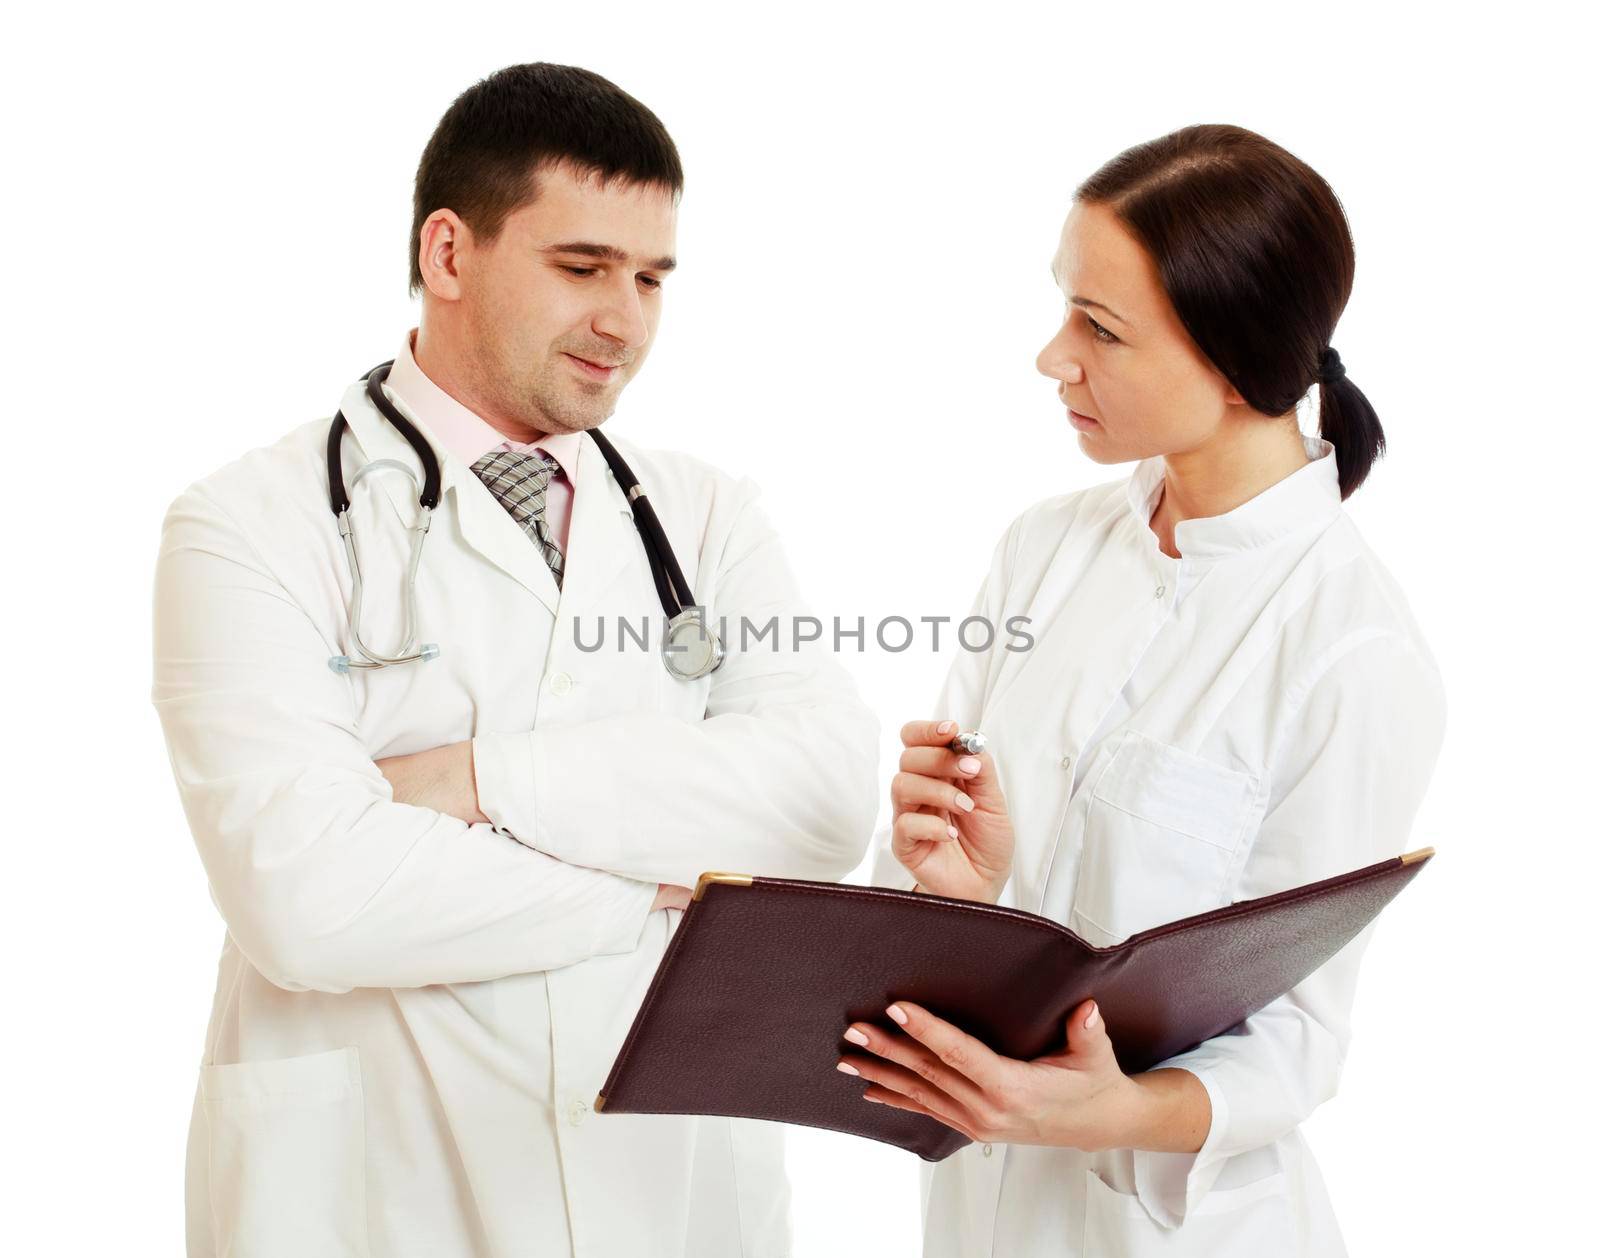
x: 1346, y: 419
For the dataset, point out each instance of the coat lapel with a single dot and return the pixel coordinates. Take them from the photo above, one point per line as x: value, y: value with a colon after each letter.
x: 485, y: 525
x: 601, y: 537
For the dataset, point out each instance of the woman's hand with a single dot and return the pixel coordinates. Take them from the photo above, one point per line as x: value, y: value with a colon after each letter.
x: 951, y: 828
x: 1077, y: 1097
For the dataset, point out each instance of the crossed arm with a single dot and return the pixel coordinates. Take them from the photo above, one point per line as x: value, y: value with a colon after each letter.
x: 329, y: 880
x: 442, y: 779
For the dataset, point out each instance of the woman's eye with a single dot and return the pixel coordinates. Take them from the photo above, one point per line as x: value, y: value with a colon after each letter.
x: 1101, y: 333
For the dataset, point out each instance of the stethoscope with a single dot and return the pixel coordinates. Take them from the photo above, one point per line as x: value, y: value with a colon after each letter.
x: 689, y: 647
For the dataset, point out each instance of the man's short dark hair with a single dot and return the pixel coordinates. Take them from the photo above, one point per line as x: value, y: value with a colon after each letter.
x: 485, y: 155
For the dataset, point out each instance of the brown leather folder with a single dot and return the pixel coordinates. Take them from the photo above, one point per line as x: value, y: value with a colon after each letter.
x: 748, y: 1006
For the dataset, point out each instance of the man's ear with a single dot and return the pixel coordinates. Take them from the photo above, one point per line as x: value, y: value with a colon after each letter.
x: 442, y: 241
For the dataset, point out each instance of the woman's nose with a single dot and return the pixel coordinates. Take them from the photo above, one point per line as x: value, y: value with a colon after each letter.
x: 1057, y: 361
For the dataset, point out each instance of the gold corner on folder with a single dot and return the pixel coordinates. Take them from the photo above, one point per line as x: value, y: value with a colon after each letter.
x: 711, y: 876
x: 599, y: 1102
x: 1421, y: 854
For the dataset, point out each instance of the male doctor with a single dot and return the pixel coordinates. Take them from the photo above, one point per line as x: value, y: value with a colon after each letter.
x: 445, y: 882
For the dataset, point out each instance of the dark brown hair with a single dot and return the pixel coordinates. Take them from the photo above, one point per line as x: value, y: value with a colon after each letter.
x: 485, y: 155
x: 1255, y: 254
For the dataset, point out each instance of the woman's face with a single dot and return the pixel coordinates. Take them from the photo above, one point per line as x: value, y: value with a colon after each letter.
x: 1136, y: 382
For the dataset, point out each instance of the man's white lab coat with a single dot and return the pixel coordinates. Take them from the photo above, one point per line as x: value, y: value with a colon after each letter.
x: 414, y: 1015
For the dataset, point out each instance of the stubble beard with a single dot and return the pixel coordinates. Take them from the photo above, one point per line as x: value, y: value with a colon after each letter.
x: 556, y: 405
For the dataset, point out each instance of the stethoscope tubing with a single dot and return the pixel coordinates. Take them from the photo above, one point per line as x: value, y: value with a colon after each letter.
x: 677, y: 598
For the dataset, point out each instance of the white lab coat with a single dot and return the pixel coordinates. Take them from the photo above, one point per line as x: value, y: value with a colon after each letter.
x: 1185, y: 733
x: 413, y: 1016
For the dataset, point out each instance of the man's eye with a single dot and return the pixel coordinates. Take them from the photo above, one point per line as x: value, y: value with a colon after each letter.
x: 649, y: 281
x: 579, y: 270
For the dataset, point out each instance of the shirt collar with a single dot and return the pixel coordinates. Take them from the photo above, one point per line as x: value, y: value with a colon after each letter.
x: 462, y: 432
x: 1307, y: 496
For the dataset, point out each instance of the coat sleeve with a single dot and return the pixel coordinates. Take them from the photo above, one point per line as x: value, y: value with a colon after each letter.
x: 324, y: 881
x: 777, y: 778
x: 961, y: 698
x: 1344, y: 792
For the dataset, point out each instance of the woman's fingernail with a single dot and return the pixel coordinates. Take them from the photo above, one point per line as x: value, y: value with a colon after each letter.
x: 969, y: 764
x: 947, y: 727
x: 873, y: 1099
x: 898, y: 1014
x: 854, y: 1036
x: 963, y: 801
x: 1093, y: 1020
x: 954, y: 833
x: 848, y: 1068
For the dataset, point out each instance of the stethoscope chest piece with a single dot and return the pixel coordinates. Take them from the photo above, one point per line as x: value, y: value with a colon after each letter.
x: 690, y: 648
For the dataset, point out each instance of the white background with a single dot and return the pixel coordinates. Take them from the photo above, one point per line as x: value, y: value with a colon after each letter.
x: 206, y: 234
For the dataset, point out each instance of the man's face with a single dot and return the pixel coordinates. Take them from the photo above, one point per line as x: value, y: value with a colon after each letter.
x: 560, y: 309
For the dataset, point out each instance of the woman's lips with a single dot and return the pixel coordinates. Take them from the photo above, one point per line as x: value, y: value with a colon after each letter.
x: 1082, y: 422
x: 595, y: 371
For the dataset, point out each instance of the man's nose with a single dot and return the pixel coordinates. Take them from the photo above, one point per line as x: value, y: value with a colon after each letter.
x: 622, y: 317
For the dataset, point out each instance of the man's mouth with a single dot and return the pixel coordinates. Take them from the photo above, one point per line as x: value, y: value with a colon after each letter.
x: 594, y: 370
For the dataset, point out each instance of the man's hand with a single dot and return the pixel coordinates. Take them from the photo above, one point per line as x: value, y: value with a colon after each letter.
x: 440, y: 778
x: 669, y: 896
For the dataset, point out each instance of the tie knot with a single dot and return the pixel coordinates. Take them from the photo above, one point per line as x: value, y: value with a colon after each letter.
x: 508, y: 472
x: 518, y: 480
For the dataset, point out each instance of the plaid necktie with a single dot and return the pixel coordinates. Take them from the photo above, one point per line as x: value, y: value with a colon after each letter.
x: 518, y: 480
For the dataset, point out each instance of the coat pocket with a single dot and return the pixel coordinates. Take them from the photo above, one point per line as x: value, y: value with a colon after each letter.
x: 1252, y: 1219
x: 288, y: 1155
x: 1160, y: 835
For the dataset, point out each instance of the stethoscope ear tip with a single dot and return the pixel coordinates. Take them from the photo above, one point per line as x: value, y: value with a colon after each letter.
x: 339, y: 664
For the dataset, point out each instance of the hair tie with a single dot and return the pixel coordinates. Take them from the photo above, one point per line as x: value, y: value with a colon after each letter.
x: 1329, y: 369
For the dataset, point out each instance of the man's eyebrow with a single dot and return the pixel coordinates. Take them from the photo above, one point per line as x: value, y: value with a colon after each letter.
x: 605, y: 253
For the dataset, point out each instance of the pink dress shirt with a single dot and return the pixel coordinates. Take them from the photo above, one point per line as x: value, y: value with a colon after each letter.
x: 469, y: 437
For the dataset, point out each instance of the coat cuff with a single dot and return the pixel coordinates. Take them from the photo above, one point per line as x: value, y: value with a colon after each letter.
x: 502, y: 770
x: 620, y: 931
x: 1170, y: 1185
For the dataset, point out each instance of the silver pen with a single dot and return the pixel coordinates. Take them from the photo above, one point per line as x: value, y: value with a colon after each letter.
x: 970, y: 742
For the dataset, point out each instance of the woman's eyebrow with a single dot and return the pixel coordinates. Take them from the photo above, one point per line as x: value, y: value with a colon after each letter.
x: 1055, y: 276
x: 1097, y: 305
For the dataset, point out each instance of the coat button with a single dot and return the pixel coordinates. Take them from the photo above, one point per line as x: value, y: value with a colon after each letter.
x: 576, y: 1113
x: 988, y: 1150
x: 560, y: 683
x: 1160, y: 590
x: 1066, y: 762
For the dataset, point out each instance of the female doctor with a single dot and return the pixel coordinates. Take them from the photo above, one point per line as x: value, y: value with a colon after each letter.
x: 1226, y: 697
